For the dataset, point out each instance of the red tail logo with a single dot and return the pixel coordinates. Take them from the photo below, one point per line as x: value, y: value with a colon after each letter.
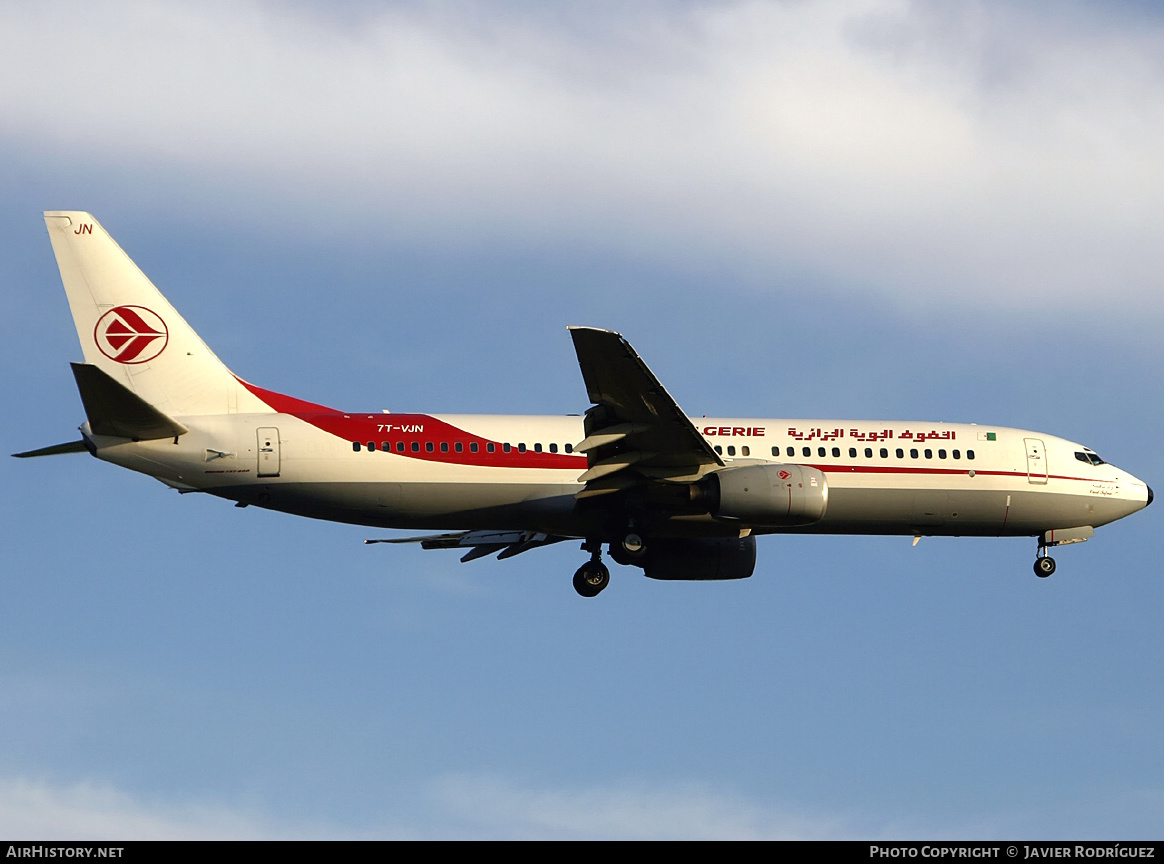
x: 131, y: 334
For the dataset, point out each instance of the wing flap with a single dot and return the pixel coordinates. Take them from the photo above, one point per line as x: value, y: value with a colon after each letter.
x: 481, y: 543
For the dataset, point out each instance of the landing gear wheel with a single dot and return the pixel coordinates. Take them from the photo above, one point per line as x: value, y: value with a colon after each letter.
x: 1044, y: 566
x: 591, y: 578
x: 633, y: 544
x: 632, y: 549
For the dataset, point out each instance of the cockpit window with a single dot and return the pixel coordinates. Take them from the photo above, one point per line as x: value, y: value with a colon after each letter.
x: 1090, y: 458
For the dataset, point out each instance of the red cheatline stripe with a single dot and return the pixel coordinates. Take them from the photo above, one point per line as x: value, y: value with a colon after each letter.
x: 286, y: 404
x: 892, y: 469
x: 349, y: 429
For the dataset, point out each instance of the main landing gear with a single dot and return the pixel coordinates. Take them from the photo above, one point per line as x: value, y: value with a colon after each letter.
x: 592, y: 576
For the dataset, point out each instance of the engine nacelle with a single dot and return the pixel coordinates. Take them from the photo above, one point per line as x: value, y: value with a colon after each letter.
x: 775, y: 495
x: 701, y: 558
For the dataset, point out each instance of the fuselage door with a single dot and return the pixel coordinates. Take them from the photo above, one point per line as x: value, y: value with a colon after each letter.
x: 268, y: 451
x: 1036, y: 460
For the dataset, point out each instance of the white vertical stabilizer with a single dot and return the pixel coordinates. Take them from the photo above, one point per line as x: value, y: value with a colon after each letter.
x: 131, y: 332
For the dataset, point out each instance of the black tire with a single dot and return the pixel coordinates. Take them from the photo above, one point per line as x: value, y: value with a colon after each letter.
x: 591, y: 578
x: 581, y: 586
x: 634, y: 545
x: 1044, y: 567
x: 633, y: 557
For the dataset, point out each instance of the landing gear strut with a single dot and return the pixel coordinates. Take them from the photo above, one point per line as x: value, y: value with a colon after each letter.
x: 1044, y: 564
x: 592, y: 576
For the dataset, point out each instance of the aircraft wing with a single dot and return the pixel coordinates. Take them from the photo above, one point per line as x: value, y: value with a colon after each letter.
x: 481, y: 543
x: 634, y: 430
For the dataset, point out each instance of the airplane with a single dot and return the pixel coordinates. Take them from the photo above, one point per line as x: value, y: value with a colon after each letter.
x: 680, y: 498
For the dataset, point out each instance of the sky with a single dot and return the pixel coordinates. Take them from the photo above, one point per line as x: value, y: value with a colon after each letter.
x: 879, y: 210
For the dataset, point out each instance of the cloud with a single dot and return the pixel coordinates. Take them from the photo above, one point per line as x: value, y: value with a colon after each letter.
x: 498, y: 808
x: 40, y: 810
x: 460, y: 805
x: 980, y: 155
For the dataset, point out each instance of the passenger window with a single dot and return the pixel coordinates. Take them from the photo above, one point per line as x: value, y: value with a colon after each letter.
x: 399, y: 446
x: 553, y: 448
x: 506, y: 447
x: 836, y: 452
x: 820, y: 451
x: 371, y: 446
x: 807, y: 451
x: 852, y: 452
x: 474, y: 447
x: 745, y: 450
x: 957, y: 454
x: 428, y: 447
x: 356, y: 446
x: 791, y: 451
x: 929, y: 454
x: 459, y: 447
x: 775, y: 451
x: 569, y: 448
x: 885, y: 453
x: 537, y: 448
x: 444, y: 446
x: 869, y: 453
x: 491, y: 447
x: 969, y: 454
x: 718, y: 450
x: 415, y: 446
x: 900, y: 453
x: 941, y: 454
x: 520, y: 448
x: 731, y: 450
x: 913, y: 453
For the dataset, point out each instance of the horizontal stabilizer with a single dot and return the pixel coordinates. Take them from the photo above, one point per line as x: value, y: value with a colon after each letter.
x: 55, y: 450
x: 114, y: 410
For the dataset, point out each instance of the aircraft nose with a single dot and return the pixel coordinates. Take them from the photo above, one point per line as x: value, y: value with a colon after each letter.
x: 1149, y: 495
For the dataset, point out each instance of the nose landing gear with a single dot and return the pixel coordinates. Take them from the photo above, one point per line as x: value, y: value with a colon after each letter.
x: 1045, y: 564
x: 592, y: 576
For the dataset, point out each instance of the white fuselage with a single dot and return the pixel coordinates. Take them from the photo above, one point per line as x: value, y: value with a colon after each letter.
x: 520, y: 472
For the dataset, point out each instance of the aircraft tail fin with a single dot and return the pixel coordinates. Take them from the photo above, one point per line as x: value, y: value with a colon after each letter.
x: 132, y: 335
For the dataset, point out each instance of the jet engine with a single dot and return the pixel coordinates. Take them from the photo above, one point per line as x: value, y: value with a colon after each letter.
x: 701, y: 558
x: 772, y: 495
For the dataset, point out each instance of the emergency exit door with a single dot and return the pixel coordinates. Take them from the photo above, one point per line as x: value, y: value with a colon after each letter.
x: 268, y: 452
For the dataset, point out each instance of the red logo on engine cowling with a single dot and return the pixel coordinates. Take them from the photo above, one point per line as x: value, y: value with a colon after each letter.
x: 784, y: 475
x: 131, y: 334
